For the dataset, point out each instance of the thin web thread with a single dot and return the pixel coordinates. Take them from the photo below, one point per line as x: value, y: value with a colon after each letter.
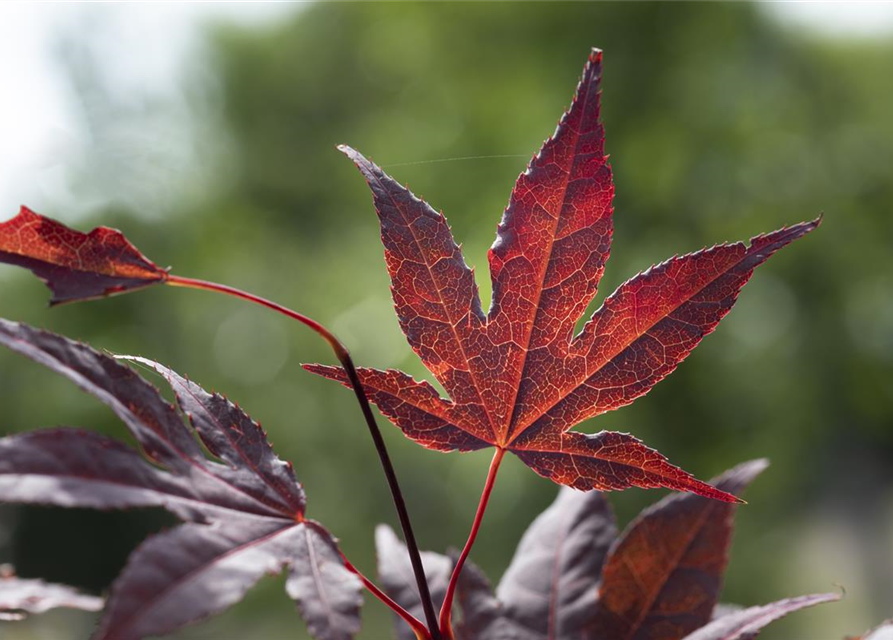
x: 407, y: 164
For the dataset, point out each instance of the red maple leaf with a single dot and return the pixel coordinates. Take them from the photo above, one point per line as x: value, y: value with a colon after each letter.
x: 75, y: 265
x: 517, y: 377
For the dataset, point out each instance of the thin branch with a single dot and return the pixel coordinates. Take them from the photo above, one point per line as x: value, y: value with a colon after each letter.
x: 446, y: 610
x: 346, y: 361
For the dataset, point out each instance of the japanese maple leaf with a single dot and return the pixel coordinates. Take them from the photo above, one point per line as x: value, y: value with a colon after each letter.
x: 517, y: 377
x: 243, y: 512
x: 76, y: 265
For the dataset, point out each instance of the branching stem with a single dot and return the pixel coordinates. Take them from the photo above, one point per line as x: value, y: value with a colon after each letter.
x: 346, y: 361
x: 446, y: 610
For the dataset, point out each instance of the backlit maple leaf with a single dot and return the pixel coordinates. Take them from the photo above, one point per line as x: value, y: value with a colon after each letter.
x: 517, y: 377
x: 76, y: 265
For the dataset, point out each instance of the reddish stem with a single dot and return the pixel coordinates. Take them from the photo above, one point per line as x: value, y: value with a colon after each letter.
x: 192, y: 283
x: 418, y: 627
x: 446, y: 610
x: 346, y: 361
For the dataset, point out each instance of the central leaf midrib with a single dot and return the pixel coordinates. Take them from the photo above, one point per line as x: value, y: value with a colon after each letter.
x: 546, y: 263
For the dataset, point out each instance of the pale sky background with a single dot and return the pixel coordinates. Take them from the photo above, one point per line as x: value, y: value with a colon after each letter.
x: 143, y: 53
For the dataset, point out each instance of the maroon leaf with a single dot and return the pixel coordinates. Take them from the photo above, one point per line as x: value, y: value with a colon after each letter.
x: 747, y: 624
x: 20, y: 596
x: 553, y: 579
x: 663, y: 576
x: 549, y: 589
x: 398, y: 580
x: 483, y: 617
x: 75, y: 265
x: 245, y: 515
x: 517, y: 378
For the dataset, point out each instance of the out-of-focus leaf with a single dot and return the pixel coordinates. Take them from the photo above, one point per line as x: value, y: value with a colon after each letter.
x: 551, y: 585
x: 663, y: 576
x: 398, y: 579
x: 660, y: 580
x: 244, y: 515
x: 882, y: 632
x: 20, y: 597
x: 553, y: 579
x: 747, y: 624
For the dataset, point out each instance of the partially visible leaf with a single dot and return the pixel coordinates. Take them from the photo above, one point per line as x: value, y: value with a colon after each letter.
x: 883, y: 632
x: 483, y: 616
x: 20, y: 597
x: 663, y: 576
x: 245, y: 515
x: 75, y: 265
x: 660, y: 581
x: 517, y: 377
x: 553, y: 578
x: 398, y: 579
x: 550, y: 587
x: 724, y: 609
x: 747, y: 624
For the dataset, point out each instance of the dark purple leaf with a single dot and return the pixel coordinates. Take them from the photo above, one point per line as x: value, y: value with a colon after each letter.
x: 194, y: 571
x: 20, y: 596
x: 483, y: 616
x: 553, y: 579
x: 244, y: 513
x: 550, y: 588
x: 398, y: 580
x: 747, y: 624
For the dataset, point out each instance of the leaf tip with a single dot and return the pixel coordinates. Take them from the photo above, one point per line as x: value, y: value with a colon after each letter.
x: 715, y: 493
x: 350, y: 152
x: 737, y: 478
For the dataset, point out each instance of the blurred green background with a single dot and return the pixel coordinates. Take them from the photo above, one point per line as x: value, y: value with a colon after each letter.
x: 721, y: 124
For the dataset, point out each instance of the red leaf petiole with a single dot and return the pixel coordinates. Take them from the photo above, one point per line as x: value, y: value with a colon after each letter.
x: 418, y: 627
x: 446, y: 610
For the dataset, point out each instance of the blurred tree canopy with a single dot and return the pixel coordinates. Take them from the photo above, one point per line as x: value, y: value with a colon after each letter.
x: 720, y: 125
